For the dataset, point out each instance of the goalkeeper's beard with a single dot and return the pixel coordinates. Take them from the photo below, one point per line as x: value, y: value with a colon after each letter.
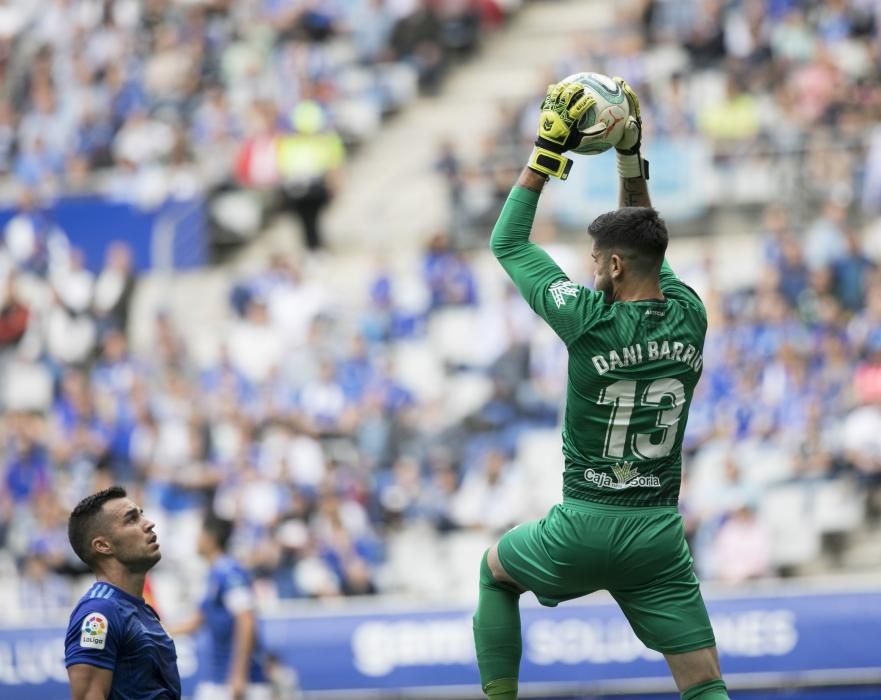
x: 603, y: 283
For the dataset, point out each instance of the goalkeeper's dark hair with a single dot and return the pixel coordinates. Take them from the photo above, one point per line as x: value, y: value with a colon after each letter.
x: 637, y: 233
x: 84, y: 521
x: 218, y: 529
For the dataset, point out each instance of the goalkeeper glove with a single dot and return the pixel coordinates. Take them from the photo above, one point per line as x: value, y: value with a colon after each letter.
x: 630, y: 161
x: 562, y: 109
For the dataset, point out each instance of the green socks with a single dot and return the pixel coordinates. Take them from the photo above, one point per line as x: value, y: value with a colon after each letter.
x: 497, y: 636
x: 711, y: 690
x: 501, y: 689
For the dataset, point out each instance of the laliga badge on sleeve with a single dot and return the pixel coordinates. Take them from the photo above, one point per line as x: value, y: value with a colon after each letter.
x: 94, y: 631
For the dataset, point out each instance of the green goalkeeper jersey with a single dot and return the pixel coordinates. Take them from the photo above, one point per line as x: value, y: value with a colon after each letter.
x: 633, y: 367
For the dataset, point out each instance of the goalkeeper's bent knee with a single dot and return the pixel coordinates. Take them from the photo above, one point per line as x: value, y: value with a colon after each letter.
x: 711, y: 690
x: 497, y: 637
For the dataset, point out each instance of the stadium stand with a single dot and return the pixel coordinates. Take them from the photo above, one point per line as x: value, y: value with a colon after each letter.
x: 355, y: 413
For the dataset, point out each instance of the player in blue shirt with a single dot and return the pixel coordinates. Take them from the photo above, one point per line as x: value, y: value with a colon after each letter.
x: 115, y: 648
x: 235, y: 658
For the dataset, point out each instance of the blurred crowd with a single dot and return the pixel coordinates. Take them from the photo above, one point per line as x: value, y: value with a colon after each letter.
x: 148, y: 98
x: 328, y: 426
x: 790, y: 401
x: 331, y: 427
x: 762, y: 100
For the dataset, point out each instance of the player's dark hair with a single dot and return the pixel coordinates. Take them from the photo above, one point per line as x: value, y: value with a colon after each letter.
x: 83, y: 522
x: 637, y: 232
x: 218, y: 529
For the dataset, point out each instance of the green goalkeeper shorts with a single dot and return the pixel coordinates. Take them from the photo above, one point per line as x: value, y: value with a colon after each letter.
x: 638, y: 554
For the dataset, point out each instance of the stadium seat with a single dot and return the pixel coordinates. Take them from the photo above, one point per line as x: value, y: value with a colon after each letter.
x: 418, y: 367
x: 540, y: 456
x: 454, y: 333
x: 785, y: 511
x: 837, y: 506
x: 464, y: 393
x: 462, y: 553
x: 26, y: 387
x: 414, y: 562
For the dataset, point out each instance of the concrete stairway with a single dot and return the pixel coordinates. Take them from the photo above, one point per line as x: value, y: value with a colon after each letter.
x: 391, y: 198
x: 391, y: 194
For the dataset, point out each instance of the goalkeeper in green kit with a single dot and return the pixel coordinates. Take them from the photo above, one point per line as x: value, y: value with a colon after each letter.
x: 635, y: 355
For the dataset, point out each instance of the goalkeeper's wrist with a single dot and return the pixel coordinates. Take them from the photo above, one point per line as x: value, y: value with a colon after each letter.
x: 549, y: 163
x: 632, y: 165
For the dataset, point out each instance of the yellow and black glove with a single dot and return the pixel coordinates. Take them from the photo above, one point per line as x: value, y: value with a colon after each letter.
x: 630, y: 160
x: 562, y: 109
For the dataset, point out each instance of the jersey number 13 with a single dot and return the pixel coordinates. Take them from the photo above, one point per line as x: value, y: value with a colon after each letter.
x: 665, y: 397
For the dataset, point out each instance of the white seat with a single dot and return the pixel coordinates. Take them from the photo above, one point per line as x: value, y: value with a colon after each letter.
x: 27, y: 387
x: 838, y: 506
x: 465, y: 393
x: 9, y: 594
x: 418, y: 367
x: 539, y: 452
x: 357, y: 117
x: 764, y: 464
x: 455, y: 334
x: 795, y: 538
x: 400, y: 80
x: 414, y: 563
x: 462, y: 554
x: 353, y: 80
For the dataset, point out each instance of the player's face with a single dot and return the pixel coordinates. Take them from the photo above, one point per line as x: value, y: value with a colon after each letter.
x: 203, y: 544
x: 602, y: 277
x: 131, y: 534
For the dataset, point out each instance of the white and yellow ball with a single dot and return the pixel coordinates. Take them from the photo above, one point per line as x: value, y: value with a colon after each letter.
x: 611, y: 109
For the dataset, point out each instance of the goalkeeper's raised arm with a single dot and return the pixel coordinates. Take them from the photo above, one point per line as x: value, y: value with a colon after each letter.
x: 635, y: 354
x: 633, y: 172
x: 539, y: 279
x: 632, y: 169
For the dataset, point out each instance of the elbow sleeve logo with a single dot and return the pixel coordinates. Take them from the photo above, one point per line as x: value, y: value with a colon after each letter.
x: 562, y: 289
x: 94, y: 631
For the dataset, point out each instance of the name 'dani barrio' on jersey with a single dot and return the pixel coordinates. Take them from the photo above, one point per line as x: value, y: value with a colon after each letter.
x: 651, y: 351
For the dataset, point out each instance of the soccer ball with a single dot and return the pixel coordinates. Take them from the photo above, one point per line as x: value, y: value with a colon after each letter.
x: 611, y: 109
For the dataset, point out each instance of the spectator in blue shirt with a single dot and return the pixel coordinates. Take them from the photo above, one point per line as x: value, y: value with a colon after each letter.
x: 115, y: 648
x: 852, y: 273
x: 448, y: 275
x: 236, y: 664
x: 28, y: 471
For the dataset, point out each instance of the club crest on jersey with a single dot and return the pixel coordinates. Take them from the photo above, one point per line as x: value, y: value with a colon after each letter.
x: 94, y: 631
x: 626, y: 477
x: 562, y: 289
